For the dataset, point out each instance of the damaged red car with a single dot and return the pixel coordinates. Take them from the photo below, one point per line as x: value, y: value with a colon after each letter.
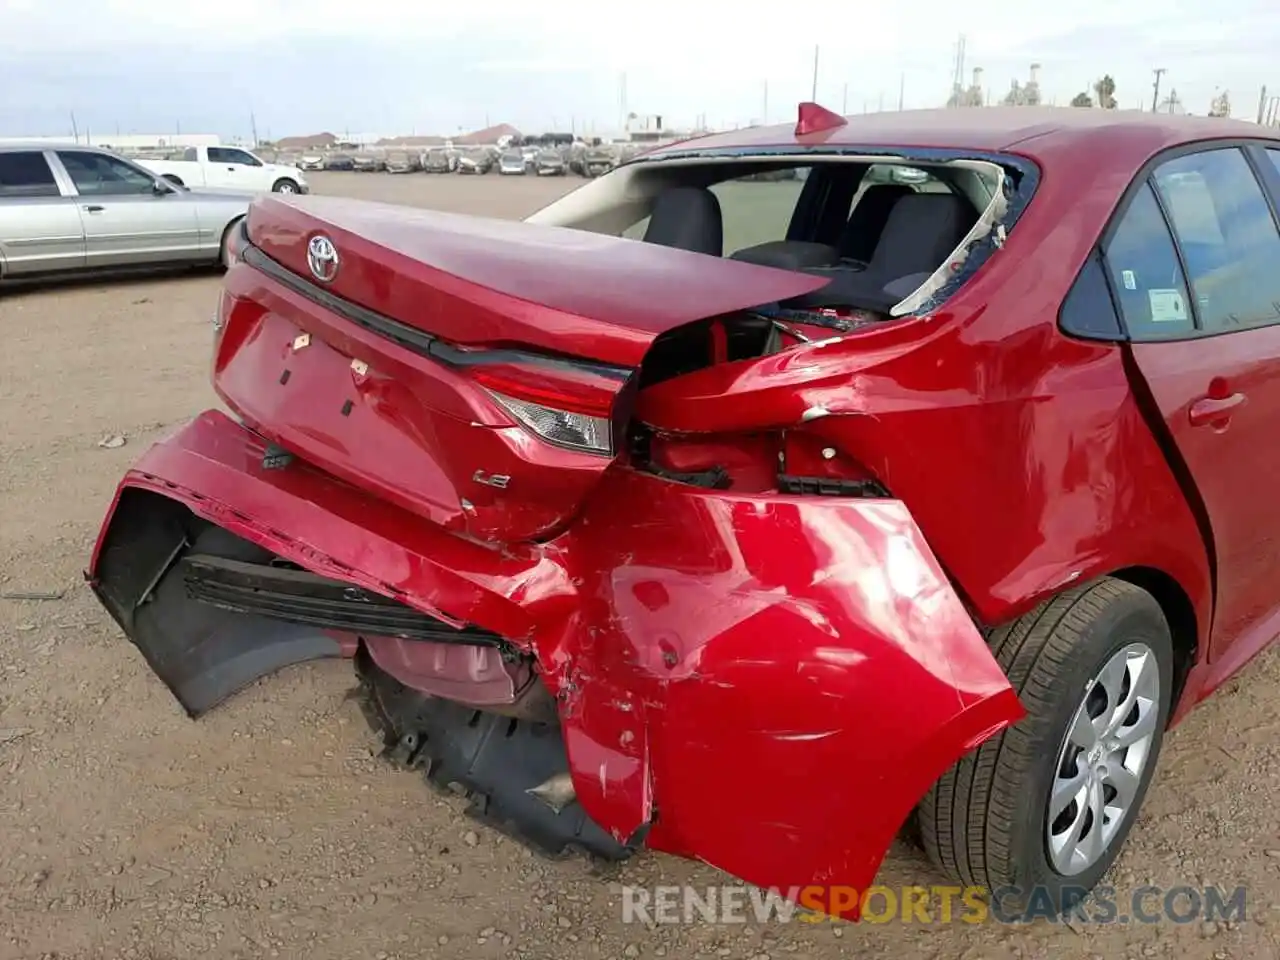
x: 775, y: 490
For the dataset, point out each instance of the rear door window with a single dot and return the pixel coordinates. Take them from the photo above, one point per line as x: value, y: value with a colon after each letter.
x: 26, y: 173
x: 1145, y: 273
x: 1228, y: 238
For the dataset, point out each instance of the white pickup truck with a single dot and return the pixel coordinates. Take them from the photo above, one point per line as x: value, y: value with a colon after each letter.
x: 228, y: 168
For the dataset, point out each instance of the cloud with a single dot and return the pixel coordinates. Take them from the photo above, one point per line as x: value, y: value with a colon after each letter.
x: 400, y: 65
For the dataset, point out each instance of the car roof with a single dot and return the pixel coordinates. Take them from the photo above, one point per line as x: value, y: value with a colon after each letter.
x: 25, y: 145
x: 1042, y: 133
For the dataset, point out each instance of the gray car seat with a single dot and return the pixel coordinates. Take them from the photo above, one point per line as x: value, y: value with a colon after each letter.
x: 920, y: 234
x: 868, y: 219
x: 687, y: 218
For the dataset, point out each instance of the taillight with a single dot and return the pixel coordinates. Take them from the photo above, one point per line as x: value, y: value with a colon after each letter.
x: 561, y: 403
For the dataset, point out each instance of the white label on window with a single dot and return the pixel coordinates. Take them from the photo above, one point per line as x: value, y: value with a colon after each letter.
x: 1130, y: 281
x: 1167, y: 306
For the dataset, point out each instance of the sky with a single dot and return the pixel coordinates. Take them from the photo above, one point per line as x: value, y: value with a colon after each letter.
x: 392, y: 66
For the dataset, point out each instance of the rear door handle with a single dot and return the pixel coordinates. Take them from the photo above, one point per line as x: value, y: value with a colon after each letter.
x: 1214, y: 410
x: 94, y: 208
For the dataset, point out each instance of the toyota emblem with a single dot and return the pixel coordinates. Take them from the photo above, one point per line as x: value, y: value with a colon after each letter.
x: 322, y: 258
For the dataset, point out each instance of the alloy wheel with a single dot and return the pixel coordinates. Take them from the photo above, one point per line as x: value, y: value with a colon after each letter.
x: 1102, y: 759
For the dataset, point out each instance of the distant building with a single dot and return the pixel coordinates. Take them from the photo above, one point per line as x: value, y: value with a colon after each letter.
x: 647, y: 128
x: 1025, y: 96
x: 972, y: 97
x: 410, y: 141
x: 314, y: 141
x: 129, y: 142
x: 488, y: 135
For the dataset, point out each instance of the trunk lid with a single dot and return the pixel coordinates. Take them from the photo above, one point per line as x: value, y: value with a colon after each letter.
x: 475, y: 372
x: 477, y: 281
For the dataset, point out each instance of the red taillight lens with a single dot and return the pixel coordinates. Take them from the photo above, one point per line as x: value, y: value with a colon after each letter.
x: 569, y: 406
x: 560, y: 388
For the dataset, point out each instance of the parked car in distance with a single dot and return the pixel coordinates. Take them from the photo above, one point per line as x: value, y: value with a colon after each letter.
x: 311, y: 161
x: 597, y: 161
x: 73, y: 208
x: 438, y: 160
x: 550, y: 163
x: 404, y: 161
x: 511, y: 163
x: 369, y: 162
x: 228, y: 168
x: 341, y: 161
x: 477, y: 160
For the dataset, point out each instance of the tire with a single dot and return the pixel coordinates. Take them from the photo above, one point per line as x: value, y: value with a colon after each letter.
x: 284, y: 185
x: 986, y: 822
x: 224, y: 255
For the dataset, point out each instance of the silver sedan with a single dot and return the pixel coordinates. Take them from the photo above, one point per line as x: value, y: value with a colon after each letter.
x: 67, y: 209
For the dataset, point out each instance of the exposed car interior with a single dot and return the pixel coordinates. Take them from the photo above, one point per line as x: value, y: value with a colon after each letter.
x: 874, y: 236
x: 876, y: 230
x: 891, y: 236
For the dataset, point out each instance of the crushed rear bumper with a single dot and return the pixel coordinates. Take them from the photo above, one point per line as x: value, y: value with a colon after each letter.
x: 766, y: 683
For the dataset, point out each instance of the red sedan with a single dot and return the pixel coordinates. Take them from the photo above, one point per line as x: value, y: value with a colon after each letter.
x: 773, y: 489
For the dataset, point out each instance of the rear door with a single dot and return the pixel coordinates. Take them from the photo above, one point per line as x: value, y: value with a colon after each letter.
x: 1195, y: 264
x: 39, y: 227
x: 126, y: 221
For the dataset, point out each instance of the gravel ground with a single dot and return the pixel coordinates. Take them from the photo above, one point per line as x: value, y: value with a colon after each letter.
x: 269, y: 828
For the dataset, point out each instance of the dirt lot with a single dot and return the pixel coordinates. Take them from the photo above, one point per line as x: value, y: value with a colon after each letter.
x: 269, y: 828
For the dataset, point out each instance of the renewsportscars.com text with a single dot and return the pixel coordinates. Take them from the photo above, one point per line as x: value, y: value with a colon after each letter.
x: 935, y: 904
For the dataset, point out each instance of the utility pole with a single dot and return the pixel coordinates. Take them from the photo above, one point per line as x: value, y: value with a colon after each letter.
x: 1155, y: 88
x: 902, y: 91
x: 253, y: 127
x: 814, y: 95
x: 1262, y: 103
x: 75, y: 132
x: 844, y: 104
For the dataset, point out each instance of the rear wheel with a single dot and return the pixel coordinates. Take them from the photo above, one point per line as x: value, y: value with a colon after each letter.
x: 1042, y: 810
x: 284, y: 185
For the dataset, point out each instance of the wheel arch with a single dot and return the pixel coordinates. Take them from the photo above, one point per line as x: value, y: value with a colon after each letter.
x: 1179, y: 612
x: 232, y: 224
